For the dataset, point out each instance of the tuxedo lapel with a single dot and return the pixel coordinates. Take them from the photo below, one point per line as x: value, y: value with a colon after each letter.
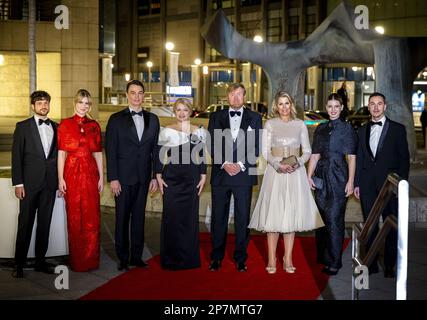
x: 226, y: 128
x: 131, y: 125
x: 367, y: 140
x: 382, y: 137
x: 145, y: 134
x: 54, y: 139
x: 37, y: 139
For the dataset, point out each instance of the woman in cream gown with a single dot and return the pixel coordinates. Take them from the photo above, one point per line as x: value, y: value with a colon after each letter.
x: 285, y: 202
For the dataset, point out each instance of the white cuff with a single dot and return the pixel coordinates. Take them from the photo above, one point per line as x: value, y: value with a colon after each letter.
x: 241, y: 166
x: 19, y: 185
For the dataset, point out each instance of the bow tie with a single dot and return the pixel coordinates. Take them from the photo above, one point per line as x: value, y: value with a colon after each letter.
x: 233, y: 113
x: 138, y: 113
x: 46, y: 122
x: 373, y: 123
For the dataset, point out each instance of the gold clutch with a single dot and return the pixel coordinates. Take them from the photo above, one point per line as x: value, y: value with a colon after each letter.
x: 290, y: 161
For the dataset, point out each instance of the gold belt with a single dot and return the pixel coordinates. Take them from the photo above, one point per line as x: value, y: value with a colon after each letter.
x: 284, y: 152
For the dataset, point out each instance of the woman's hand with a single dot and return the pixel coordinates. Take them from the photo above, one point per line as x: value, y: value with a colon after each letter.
x: 100, y: 184
x: 201, y: 183
x: 161, y: 183
x: 285, y: 168
x: 349, y: 188
x: 62, y: 186
x: 311, y: 183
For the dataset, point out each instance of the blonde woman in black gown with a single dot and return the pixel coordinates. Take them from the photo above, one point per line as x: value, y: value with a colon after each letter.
x: 181, y: 176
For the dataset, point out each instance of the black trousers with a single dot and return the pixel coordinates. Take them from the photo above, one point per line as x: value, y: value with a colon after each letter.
x: 130, y: 207
x: 40, y: 202
x: 221, y: 196
x: 390, y: 249
x: 330, y: 238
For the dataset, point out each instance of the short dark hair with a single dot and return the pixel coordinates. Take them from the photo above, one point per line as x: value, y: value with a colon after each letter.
x: 335, y: 96
x: 136, y: 83
x: 39, y: 95
x: 235, y: 86
x: 377, y: 94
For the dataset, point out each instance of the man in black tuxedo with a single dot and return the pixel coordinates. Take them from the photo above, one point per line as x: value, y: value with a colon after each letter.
x: 382, y: 149
x: 130, y: 144
x: 234, y: 134
x: 35, y: 177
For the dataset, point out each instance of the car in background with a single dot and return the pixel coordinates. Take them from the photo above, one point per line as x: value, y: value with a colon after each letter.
x: 312, y: 118
x: 210, y: 109
x: 359, y: 118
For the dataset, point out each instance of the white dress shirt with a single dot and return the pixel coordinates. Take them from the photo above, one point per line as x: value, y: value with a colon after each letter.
x: 235, y: 127
x: 374, y: 138
x: 139, y: 123
x: 46, y: 135
x: 235, y: 122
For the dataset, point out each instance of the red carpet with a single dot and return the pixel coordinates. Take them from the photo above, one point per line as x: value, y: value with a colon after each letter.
x: 227, y: 284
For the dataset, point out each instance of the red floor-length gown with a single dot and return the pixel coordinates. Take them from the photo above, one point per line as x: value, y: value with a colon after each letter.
x: 80, y: 137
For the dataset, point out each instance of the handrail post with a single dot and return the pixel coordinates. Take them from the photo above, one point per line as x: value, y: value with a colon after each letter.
x: 402, y: 243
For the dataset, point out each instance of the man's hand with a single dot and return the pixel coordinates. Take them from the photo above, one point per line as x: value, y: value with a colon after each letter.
x: 116, y: 188
x: 153, y: 185
x: 357, y: 192
x: 232, y: 168
x: 20, y: 192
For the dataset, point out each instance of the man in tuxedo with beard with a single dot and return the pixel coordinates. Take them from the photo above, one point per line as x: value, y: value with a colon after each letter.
x: 35, y: 177
x: 382, y: 149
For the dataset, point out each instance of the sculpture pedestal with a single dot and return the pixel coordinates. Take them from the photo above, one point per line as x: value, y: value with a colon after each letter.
x: 58, y: 238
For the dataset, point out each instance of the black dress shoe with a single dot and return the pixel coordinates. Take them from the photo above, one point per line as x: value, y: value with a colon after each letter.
x: 18, y: 273
x: 330, y: 271
x: 389, y: 273
x: 215, y: 265
x: 44, y: 267
x: 123, y: 265
x: 325, y: 268
x: 138, y: 263
x: 241, y: 267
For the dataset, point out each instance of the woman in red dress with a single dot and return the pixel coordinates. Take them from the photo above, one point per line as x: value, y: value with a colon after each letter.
x: 80, y: 175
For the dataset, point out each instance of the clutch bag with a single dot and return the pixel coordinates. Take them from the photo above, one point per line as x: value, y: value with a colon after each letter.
x: 290, y: 161
x: 318, y: 182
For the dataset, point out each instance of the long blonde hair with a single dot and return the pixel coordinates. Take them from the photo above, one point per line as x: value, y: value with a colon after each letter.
x: 275, y: 109
x: 83, y: 93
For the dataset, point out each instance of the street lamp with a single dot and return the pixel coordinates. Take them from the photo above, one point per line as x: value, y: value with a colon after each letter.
x: 258, y: 39
x: 169, y: 46
x: 127, y: 77
x: 149, y: 65
x: 380, y: 29
x: 197, y: 62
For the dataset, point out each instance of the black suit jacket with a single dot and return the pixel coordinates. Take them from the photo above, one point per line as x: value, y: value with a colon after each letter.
x: 245, y: 148
x: 129, y: 160
x: 29, y: 164
x: 392, y: 157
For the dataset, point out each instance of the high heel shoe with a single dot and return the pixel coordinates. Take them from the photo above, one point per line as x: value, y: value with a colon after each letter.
x: 288, y: 269
x: 270, y: 270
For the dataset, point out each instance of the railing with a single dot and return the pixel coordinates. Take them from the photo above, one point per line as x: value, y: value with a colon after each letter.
x: 362, y: 232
